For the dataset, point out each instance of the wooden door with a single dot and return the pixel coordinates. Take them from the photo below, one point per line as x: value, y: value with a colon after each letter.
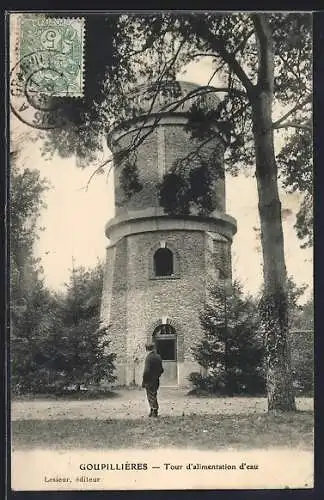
x: 167, y: 348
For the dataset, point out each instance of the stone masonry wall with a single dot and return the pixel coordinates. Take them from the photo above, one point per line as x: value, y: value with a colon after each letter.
x: 140, y: 300
x: 177, y: 144
x: 179, y: 299
x: 107, y: 285
x: 118, y: 319
x: 180, y: 144
x: 146, y: 162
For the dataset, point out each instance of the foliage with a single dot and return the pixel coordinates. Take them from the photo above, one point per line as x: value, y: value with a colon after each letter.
x: 26, y: 204
x: 83, y: 346
x: 193, y: 188
x: 26, y: 201
x: 59, y: 342
x: 302, y: 349
x: 294, y: 160
x: 231, y: 350
x: 305, y: 221
x: 30, y: 333
x: 129, y: 179
x: 304, y: 319
x: 301, y: 337
x: 30, y: 302
x: 140, y: 48
x: 78, y: 356
x: 295, y: 293
x: 175, y: 194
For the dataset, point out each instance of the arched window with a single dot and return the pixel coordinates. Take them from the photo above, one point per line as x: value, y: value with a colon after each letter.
x: 163, y: 330
x: 163, y: 262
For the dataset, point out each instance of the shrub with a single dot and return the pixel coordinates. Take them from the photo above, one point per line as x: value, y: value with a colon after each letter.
x: 231, y: 350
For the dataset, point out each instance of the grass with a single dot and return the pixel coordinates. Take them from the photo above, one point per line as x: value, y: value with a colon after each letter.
x: 206, y: 432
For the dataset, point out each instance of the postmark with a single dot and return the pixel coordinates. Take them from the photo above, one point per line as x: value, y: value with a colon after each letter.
x: 35, y: 82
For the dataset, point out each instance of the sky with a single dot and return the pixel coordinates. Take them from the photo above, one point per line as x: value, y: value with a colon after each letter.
x: 75, y: 217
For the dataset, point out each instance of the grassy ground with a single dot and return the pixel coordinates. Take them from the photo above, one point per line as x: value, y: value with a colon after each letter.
x: 132, y: 404
x: 206, y: 432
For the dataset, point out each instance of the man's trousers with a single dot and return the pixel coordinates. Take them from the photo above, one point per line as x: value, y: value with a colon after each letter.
x: 151, y: 393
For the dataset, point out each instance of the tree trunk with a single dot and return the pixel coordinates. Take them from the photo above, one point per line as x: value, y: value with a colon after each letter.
x: 274, y: 306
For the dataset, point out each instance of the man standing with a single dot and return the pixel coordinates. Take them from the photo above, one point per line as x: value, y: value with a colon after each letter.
x: 151, y: 377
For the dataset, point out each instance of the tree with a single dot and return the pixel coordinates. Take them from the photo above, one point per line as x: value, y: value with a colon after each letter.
x: 32, y: 341
x: 263, y: 60
x: 29, y: 300
x: 60, y: 342
x: 231, y: 350
x: 81, y: 347
x: 26, y: 204
x: 301, y: 337
x: 55, y: 339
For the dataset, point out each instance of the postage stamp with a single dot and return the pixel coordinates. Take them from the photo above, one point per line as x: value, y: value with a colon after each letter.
x: 64, y: 37
x: 47, y: 64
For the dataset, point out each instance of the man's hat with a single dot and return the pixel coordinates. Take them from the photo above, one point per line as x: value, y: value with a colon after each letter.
x: 149, y: 346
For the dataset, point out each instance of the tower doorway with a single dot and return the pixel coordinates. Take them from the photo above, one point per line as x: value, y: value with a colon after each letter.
x: 165, y: 339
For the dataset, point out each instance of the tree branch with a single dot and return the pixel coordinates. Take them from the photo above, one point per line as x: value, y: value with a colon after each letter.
x: 218, y: 45
x: 244, y: 42
x: 109, y: 160
x: 138, y: 140
x: 289, y: 67
x: 297, y: 107
x: 217, y: 69
x: 303, y: 126
x: 167, y: 66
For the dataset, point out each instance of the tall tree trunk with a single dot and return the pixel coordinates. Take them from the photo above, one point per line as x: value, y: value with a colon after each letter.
x: 274, y: 306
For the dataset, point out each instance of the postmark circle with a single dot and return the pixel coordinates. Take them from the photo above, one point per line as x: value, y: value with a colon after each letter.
x: 42, y: 86
x: 35, y: 84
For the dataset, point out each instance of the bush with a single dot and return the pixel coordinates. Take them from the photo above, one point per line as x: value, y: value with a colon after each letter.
x: 57, y: 342
x: 208, y: 384
x: 302, y: 360
x: 231, y: 350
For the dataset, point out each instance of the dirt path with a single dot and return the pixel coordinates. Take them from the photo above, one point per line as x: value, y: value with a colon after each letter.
x: 132, y: 404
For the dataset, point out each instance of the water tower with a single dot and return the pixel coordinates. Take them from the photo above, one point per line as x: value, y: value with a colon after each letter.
x: 158, y: 266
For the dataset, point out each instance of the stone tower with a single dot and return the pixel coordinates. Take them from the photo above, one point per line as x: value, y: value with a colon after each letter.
x: 158, y: 265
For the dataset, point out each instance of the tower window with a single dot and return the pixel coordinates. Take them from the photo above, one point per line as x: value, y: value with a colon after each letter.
x: 163, y: 262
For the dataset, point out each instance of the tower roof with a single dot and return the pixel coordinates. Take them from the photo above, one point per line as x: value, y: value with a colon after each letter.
x: 170, y: 97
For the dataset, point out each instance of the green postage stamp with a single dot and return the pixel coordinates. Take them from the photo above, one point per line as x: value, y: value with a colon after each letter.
x: 60, y: 42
